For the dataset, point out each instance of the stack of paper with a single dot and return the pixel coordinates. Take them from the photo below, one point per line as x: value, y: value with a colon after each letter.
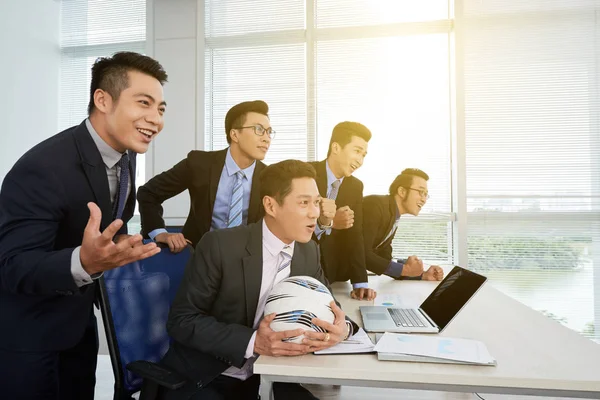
x: 428, y: 348
x: 359, y: 343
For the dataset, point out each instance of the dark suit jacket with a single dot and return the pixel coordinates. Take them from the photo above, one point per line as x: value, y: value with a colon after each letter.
x: 213, y: 312
x: 343, y: 250
x: 43, y: 213
x: 379, y: 215
x: 199, y: 173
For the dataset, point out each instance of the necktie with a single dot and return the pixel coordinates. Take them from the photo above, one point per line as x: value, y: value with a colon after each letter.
x: 335, y: 186
x: 286, y: 259
x: 236, y: 203
x: 119, y: 204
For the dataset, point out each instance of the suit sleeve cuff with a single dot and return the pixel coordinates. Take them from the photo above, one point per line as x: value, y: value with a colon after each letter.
x: 156, y: 232
x: 394, y: 270
x: 80, y: 277
x: 250, y: 348
x: 360, y: 285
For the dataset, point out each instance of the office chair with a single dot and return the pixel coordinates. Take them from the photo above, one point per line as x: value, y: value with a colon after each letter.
x: 135, y: 300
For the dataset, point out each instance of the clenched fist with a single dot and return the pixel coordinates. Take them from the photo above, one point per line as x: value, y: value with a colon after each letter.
x: 327, y: 211
x: 344, y: 218
x: 412, y: 267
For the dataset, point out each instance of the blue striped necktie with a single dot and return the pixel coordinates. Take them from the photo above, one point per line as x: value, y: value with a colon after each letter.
x: 335, y: 187
x: 236, y: 203
x: 119, y: 204
x: 286, y: 259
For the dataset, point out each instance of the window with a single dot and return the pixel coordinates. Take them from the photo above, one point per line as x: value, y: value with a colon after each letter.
x: 383, y: 63
x: 522, y: 117
x: 92, y: 29
x: 531, y: 87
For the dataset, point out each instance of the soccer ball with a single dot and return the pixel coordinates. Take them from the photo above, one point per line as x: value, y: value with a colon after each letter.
x: 296, y: 301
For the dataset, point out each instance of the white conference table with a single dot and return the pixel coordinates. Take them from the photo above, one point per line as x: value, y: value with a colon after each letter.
x: 535, y: 355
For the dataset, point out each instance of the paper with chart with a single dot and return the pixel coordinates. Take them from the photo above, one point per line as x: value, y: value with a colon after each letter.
x: 464, y: 350
x: 358, y: 343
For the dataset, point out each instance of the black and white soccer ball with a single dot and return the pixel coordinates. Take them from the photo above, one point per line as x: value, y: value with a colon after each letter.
x: 296, y: 301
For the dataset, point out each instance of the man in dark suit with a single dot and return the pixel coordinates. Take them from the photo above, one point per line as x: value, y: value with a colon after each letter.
x: 223, y: 185
x: 339, y: 230
x: 408, y: 194
x: 54, y: 203
x: 216, y: 320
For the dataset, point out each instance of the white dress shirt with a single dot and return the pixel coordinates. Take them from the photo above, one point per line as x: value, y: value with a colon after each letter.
x: 272, y: 248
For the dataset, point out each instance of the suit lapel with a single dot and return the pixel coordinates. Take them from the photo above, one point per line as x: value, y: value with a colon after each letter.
x: 253, y: 265
x: 131, y: 199
x: 216, y: 168
x: 391, y: 206
x: 255, y: 200
x: 95, y: 171
x: 344, y: 193
x: 298, y: 261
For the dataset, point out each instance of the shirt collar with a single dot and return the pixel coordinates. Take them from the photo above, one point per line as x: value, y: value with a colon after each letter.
x: 272, y: 243
x: 330, y: 176
x: 232, y: 167
x: 109, y: 155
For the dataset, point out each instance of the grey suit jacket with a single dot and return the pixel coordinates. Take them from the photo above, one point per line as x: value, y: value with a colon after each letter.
x: 213, y: 312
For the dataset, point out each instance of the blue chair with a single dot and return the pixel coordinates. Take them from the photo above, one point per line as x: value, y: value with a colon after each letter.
x: 135, y: 300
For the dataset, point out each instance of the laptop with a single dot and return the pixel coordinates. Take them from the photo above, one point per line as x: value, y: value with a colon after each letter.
x: 434, y: 314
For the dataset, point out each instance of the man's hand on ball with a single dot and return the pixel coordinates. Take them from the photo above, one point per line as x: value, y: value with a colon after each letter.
x: 270, y: 343
x: 334, y: 333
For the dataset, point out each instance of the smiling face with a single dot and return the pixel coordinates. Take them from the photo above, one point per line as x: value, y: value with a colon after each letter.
x: 295, y: 218
x: 344, y: 161
x: 251, y: 145
x: 410, y: 200
x: 135, y: 118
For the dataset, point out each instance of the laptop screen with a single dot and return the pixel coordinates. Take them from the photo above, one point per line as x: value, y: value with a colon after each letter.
x: 451, y: 295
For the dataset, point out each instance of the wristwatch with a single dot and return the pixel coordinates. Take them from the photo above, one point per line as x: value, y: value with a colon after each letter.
x: 349, y: 330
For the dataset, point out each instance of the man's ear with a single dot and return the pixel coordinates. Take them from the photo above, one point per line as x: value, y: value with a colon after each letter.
x: 402, y: 192
x: 335, y: 148
x: 103, y: 101
x: 270, y: 206
x: 233, y: 134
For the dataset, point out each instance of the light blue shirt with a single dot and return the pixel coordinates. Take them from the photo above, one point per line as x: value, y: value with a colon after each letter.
x: 318, y: 231
x: 330, y: 179
x: 224, y: 192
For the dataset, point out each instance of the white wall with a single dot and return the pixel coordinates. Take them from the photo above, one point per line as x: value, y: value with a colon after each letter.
x: 29, y: 70
x: 175, y: 37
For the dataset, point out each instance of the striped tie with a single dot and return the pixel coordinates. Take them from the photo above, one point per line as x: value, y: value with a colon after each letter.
x: 286, y: 259
x: 236, y: 203
x: 119, y: 204
x: 335, y: 187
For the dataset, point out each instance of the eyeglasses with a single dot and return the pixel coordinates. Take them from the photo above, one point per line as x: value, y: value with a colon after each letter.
x: 422, y: 192
x: 260, y: 130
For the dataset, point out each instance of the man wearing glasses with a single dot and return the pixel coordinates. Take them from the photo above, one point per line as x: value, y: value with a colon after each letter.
x: 408, y: 194
x: 223, y: 185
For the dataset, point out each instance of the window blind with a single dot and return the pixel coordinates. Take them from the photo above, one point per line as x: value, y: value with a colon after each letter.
x: 385, y: 64
x: 399, y: 88
x: 92, y: 29
x: 532, y: 126
x: 275, y: 74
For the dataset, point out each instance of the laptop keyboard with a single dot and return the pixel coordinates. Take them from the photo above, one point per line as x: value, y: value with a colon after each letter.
x: 406, y: 317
